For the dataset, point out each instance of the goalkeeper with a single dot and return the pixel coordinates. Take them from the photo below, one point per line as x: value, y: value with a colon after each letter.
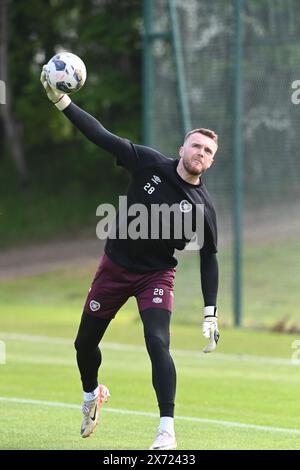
x: 145, y: 268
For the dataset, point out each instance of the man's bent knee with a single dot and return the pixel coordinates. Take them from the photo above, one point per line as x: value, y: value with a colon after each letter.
x: 156, y: 344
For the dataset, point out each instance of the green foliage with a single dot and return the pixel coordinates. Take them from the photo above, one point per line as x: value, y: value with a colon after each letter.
x: 108, y: 43
x: 63, y: 165
x: 62, y: 197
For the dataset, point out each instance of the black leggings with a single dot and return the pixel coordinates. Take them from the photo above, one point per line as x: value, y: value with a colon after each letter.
x: 157, y: 337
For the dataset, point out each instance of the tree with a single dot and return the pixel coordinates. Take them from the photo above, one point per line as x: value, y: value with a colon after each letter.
x: 12, y: 128
x: 109, y: 44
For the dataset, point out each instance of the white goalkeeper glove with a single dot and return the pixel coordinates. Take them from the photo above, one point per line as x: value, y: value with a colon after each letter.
x: 61, y: 100
x: 210, y: 328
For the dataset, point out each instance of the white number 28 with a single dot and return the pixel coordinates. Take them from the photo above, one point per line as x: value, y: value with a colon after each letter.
x: 149, y: 188
x: 158, y: 291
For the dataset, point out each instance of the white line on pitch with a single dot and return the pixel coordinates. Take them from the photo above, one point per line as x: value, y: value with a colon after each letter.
x: 231, y: 424
x: 136, y: 348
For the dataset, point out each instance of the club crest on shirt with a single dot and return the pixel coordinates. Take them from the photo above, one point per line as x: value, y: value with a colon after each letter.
x: 185, y: 206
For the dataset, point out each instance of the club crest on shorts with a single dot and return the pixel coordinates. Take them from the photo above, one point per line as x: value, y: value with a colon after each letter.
x: 157, y: 300
x: 94, y: 305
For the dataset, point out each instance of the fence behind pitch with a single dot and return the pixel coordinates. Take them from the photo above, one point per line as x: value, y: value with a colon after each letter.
x: 270, y: 127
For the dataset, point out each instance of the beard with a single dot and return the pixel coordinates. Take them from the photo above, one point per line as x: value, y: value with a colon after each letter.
x: 191, y: 169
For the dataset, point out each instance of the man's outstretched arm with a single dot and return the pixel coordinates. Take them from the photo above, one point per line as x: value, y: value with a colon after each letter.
x: 91, y: 127
x: 210, y: 282
x: 95, y: 131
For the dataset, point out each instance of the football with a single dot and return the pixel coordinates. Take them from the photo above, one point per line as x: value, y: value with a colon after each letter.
x: 66, y: 72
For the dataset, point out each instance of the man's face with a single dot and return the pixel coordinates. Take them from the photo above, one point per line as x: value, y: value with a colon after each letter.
x: 197, y: 153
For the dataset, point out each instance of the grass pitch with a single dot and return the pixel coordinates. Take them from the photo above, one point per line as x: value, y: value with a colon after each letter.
x: 244, y: 396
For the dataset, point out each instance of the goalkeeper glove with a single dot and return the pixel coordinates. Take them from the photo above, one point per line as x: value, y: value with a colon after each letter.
x: 210, y: 328
x: 61, y: 100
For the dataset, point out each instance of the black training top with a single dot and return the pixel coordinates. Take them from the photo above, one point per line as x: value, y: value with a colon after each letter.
x: 154, y: 180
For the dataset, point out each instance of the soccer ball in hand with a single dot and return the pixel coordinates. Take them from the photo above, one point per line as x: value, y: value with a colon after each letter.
x: 66, y: 72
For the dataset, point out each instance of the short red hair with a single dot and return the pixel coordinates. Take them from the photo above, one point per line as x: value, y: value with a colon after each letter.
x: 209, y: 133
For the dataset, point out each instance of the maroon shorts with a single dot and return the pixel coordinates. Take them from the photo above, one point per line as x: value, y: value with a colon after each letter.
x: 113, y: 285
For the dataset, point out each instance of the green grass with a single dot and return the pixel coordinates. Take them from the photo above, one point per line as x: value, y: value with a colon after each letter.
x: 270, y: 291
x: 218, y: 387
x: 249, y: 380
x: 270, y: 286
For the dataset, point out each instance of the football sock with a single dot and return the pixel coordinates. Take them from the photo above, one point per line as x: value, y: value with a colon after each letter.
x: 87, y: 396
x: 167, y: 424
